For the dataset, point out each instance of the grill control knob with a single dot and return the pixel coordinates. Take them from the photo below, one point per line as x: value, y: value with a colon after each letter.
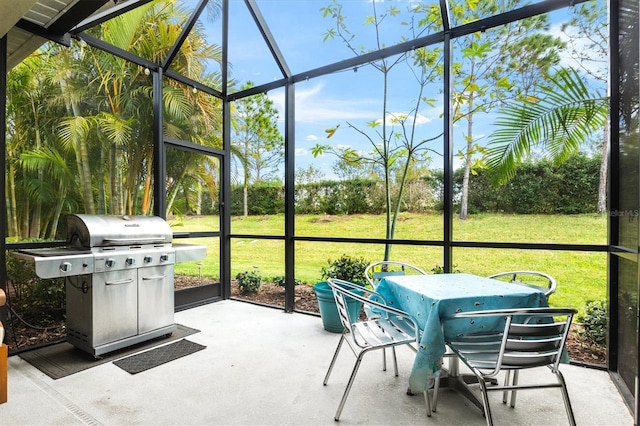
x: 164, y: 257
x: 148, y: 259
x: 110, y: 263
x: 65, y: 267
x: 130, y: 261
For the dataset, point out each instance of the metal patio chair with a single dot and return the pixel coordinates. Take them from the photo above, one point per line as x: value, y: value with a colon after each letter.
x: 385, y: 268
x: 530, y: 278
x: 391, y: 328
x: 378, y: 270
x: 529, y: 338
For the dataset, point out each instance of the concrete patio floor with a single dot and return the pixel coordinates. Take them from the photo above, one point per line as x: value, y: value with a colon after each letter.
x: 265, y: 367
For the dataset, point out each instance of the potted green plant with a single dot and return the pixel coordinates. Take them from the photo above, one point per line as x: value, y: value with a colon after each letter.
x: 348, y: 268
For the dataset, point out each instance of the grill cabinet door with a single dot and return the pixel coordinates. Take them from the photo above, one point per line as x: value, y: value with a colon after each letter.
x: 115, y: 304
x: 155, y: 298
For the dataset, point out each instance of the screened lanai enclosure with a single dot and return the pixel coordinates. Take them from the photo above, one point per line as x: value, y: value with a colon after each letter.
x: 461, y: 136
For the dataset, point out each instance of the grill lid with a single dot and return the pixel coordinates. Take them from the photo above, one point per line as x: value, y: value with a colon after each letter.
x: 88, y: 230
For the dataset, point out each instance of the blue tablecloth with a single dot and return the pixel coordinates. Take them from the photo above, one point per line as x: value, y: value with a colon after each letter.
x: 431, y: 298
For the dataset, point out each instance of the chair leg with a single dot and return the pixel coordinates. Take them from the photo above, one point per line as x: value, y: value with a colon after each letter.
x: 485, y: 400
x: 505, y: 394
x: 427, y: 400
x: 348, y: 388
x: 513, y: 392
x: 565, y: 397
x: 436, y: 389
x: 395, y: 360
x: 333, y: 360
x: 384, y: 359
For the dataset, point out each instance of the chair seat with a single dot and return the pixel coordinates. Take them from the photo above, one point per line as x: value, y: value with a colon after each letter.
x: 510, y: 360
x: 382, y: 332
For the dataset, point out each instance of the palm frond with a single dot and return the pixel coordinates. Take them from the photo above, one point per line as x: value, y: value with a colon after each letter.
x: 559, y: 120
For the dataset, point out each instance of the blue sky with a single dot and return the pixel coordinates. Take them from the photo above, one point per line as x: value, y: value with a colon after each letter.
x: 350, y: 96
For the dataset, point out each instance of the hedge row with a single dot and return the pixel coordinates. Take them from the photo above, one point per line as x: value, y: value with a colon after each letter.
x: 538, y: 187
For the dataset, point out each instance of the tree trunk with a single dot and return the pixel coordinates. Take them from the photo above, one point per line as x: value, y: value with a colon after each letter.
x: 35, y: 230
x: 146, y: 197
x: 10, y: 190
x: 464, y: 201
x: 25, y: 206
x: 82, y: 156
x: 602, y: 185
x: 113, y: 178
x: 102, y: 198
x: 56, y: 217
x: 245, y: 197
x: 245, y: 188
x: 198, y: 206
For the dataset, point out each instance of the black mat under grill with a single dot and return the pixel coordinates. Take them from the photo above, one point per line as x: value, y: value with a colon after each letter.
x: 146, y: 360
x: 63, y: 359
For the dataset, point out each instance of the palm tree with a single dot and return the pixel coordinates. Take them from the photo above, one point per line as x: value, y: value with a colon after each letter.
x: 106, y: 136
x: 557, y: 122
x: 54, y: 190
x: 122, y: 101
x: 31, y: 127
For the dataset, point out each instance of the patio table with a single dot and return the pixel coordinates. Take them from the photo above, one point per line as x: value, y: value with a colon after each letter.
x: 430, y: 299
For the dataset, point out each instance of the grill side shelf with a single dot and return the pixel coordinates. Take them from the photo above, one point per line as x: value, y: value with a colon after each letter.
x: 189, y: 252
x: 59, y: 266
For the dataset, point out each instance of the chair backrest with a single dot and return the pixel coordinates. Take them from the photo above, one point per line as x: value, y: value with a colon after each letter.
x: 385, y: 268
x: 534, y: 279
x: 346, y: 292
x: 532, y: 337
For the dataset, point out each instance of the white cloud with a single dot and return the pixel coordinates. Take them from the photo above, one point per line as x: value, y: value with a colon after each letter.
x: 311, y: 138
x: 595, y: 63
x: 314, y: 106
x: 301, y: 152
x: 396, y: 118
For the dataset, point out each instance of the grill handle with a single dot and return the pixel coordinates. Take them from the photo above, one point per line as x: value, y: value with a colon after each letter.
x: 120, y: 282
x: 154, y: 277
x: 128, y: 241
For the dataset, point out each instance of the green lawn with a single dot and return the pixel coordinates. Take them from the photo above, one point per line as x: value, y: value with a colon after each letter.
x: 581, y: 276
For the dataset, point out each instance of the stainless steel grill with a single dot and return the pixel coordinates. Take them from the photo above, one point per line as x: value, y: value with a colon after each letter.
x: 119, y: 278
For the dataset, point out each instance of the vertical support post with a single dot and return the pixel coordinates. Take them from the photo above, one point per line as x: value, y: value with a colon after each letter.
x: 3, y: 213
x: 225, y: 196
x: 289, y: 197
x: 448, y: 156
x: 159, y: 154
x: 613, y: 186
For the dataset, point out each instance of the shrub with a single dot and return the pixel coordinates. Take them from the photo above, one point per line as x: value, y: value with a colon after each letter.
x: 280, y: 281
x: 594, y: 323
x: 35, y: 300
x: 346, y: 268
x: 439, y: 269
x: 249, y: 281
